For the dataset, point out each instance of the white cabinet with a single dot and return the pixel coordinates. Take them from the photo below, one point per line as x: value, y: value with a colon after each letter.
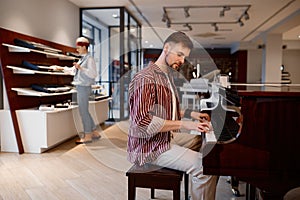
x: 42, y: 130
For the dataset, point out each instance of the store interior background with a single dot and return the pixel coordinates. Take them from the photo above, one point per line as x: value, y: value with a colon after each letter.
x: 62, y: 21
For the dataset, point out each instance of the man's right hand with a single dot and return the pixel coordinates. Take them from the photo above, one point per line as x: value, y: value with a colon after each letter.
x: 197, y: 126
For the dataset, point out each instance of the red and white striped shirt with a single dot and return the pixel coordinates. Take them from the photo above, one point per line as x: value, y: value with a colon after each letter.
x: 150, y: 103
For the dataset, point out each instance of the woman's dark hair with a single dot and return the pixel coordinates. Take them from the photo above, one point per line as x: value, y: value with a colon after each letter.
x: 180, y: 37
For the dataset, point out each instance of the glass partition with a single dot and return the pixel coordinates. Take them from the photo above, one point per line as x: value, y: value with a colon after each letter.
x: 116, y: 37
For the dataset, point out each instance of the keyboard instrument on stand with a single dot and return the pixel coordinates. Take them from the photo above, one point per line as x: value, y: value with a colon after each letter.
x: 264, y: 151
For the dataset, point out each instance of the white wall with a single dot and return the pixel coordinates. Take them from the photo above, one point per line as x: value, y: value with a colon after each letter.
x: 290, y: 59
x: 53, y: 20
x: 254, y: 66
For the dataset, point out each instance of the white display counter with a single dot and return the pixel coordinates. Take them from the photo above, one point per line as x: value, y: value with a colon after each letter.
x: 42, y: 130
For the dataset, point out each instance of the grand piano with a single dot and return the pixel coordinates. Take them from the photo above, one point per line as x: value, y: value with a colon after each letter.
x: 266, y: 152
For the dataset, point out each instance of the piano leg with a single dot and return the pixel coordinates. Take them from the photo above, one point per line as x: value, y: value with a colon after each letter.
x: 250, y: 192
x: 235, y: 186
x: 234, y: 182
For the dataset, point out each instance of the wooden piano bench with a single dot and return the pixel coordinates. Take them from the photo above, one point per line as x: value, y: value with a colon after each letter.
x: 156, y: 177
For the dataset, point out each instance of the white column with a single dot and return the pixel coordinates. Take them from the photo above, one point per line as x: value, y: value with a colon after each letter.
x: 272, y: 58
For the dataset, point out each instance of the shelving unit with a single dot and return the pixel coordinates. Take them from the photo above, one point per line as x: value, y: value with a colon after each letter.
x: 14, y: 48
x: 23, y: 127
x: 285, y: 77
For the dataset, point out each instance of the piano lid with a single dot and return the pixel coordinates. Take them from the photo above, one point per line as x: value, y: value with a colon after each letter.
x: 271, y: 90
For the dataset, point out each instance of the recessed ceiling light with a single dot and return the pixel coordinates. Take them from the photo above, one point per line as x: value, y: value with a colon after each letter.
x: 299, y: 36
x: 146, y: 41
x: 115, y: 16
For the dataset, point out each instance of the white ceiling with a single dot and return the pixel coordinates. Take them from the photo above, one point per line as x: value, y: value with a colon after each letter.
x: 266, y: 16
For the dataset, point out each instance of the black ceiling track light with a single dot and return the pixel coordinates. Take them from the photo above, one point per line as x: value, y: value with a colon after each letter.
x: 186, y: 12
x: 225, y: 9
x: 222, y: 12
x: 188, y: 26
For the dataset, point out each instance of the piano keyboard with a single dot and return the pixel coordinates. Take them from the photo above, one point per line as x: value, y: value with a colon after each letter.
x: 209, y: 137
x: 223, y: 131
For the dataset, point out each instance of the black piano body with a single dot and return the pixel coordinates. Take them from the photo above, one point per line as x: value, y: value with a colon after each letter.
x: 266, y: 154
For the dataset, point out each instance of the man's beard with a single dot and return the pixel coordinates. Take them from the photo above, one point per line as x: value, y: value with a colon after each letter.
x: 176, y: 66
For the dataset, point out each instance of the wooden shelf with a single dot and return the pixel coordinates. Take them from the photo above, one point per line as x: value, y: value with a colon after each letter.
x: 31, y: 92
x: 99, y: 98
x: 21, y: 70
x: 14, y: 48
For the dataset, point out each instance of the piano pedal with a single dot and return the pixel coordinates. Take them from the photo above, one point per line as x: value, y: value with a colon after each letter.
x: 236, y: 192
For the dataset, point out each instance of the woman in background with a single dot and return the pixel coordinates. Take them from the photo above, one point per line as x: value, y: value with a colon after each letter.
x: 85, y: 73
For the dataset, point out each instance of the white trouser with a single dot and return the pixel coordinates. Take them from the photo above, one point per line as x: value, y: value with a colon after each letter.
x: 203, y: 187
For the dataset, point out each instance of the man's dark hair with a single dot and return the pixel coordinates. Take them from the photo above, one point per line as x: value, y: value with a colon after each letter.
x: 180, y: 37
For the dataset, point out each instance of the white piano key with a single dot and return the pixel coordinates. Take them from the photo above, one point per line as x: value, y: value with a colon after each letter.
x: 210, y: 138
